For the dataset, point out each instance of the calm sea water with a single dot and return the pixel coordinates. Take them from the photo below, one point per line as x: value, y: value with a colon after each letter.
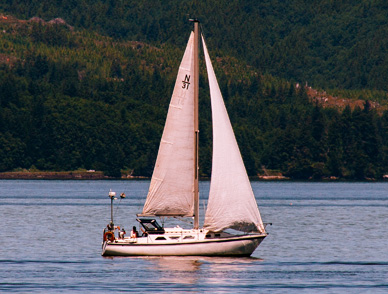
x: 325, y: 238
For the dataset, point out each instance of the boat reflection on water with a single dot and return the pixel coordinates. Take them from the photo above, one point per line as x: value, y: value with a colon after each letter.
x: 230, y: 272
x: 196, y: 269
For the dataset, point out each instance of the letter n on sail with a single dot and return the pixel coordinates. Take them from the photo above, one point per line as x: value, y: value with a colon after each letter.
x: 186, y: 82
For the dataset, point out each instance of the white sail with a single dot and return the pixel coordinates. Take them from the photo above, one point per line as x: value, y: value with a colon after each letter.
x: 231, y: 202
x: 174, y: 185
x: 171, y: 189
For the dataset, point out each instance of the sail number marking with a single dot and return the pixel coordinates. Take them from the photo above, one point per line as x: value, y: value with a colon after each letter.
x: 186, y: 82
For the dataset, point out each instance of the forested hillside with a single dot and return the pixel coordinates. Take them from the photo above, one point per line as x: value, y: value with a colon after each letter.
x: 91, y: 90
x: 329, y: 44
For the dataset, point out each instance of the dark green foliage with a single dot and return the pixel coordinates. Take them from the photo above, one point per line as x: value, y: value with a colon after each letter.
x: 12, y: 152
x: 74, y: 99
x: 330, y: 44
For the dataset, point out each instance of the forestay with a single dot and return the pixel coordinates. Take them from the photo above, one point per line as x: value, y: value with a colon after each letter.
x: 171, y: 188
x: 231, y: 202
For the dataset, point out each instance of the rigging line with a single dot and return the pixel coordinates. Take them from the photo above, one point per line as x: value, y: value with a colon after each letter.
x: 162, y: 220
x: 183, y: 220
x: 202, y: 34
x: 202, y: 30
x: 117, y: 207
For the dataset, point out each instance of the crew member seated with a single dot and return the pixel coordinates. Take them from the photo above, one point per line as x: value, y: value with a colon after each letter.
x: 134, y: 233
x: 122, y: 233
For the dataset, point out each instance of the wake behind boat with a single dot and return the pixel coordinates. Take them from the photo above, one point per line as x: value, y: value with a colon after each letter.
x: 173, y: 190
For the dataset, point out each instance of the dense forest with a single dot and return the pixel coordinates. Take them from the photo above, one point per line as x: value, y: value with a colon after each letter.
x: 90, y: 90
x: 329, y: 44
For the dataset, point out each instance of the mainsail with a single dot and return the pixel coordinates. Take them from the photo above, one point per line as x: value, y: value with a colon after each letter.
x: 172, y: 184
x: 231, y: 202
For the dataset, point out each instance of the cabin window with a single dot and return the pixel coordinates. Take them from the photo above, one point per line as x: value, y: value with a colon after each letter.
x: 174, y: 237
x: 188, y: 237
x: 151, y: 226
x: 217, y: 235
x: 160, y: 238
x: 208, y: 236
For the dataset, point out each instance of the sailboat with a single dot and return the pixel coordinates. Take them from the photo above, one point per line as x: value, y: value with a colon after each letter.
x: 232, y: 224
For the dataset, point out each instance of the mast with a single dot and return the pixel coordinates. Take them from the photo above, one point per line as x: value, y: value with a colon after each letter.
x: 196, y: 127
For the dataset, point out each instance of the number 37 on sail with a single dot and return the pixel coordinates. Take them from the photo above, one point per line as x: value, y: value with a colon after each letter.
x: 173, y: 190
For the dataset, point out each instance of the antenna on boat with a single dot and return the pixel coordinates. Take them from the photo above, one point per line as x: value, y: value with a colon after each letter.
x: 112, y: 196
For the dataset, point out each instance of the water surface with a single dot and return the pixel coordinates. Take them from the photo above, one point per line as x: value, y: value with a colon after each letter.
x: 324, y: 238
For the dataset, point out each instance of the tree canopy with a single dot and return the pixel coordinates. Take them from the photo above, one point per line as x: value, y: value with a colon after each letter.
x: 92, y: 91
x: 329, y: 44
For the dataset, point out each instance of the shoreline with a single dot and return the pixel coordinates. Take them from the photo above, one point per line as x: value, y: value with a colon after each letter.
x: 74, y: 175
x: 99, y: 175
x: 63, y: 175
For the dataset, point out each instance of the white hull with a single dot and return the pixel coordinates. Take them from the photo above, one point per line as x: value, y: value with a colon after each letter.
x: 229, y: 245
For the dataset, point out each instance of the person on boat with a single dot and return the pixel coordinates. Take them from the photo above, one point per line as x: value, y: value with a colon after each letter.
x: 134, y: 233
x: 109, y: 227
x: 122, y: 233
